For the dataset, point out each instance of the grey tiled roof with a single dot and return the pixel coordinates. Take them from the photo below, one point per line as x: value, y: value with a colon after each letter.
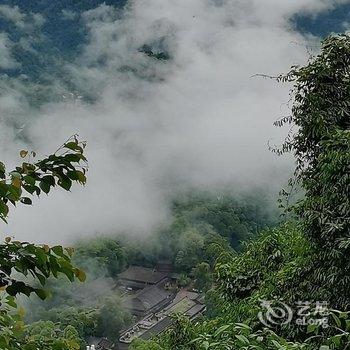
x: 147, y: 298
x: 142, y: 274
x: 158, y: 328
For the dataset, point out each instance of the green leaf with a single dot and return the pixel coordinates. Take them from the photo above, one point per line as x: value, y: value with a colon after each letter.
x: 65, y: 183
x: 41, y: 293
x: 49, y: 179
x: 29, y: 188
x: 29, y: 180
x: 73, y: 146
x: 2, y: 170
x: 58, y: 250
x: 311, y: 328
x: 242, y: 339
x: 3, y: 189
x: 4, y: 209
x: 221, y: 329
x: 40, y: 255
x: 44, y: 186
x: 18, y: 287
x: 205, y: 345
x: 73, y: 157
x: 41, y: 278
x: 73, y: 175
x: 77, y: 175
x: 14, y: 193
x: 336, y: 319
x: 11, y: 301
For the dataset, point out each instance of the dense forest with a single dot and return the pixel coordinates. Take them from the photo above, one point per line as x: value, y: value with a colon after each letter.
x: 240, y: 250
x: 202, y: 225
x: 302, y: 262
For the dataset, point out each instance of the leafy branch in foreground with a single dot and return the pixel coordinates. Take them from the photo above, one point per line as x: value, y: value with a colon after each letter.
x: 66, y: 165
x: 19, y: 260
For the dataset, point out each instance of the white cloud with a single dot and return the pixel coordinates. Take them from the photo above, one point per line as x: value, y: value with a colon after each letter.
x: 7, y: 61
x: 196, y: 121
x: 37, y: 19
x: 12, y: 14
x: 68, y: 15
x: 22, y: 20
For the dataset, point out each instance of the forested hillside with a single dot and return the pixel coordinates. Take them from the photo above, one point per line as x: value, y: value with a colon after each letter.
x: 302, y: 264
x: 202, y: 225
x: 249, y: 261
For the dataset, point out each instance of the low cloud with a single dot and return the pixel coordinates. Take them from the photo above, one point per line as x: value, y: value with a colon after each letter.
x: 7, y: 61
x: 197, y: 119
x: 68, y: 15
x: 24, y: 21
x: 12, y: 14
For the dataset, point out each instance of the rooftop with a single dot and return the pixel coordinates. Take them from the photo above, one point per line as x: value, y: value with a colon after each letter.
x: 185, y: 303
x: 146, y: 299
x: 142, y: 274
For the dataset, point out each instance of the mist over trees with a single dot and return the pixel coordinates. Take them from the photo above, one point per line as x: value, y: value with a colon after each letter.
x: 202, y: 225
x: 305, y: 259
x: 175, y: 178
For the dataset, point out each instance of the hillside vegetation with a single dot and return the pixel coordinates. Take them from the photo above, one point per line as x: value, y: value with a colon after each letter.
x: 305, y: 260
x: 259, y: 272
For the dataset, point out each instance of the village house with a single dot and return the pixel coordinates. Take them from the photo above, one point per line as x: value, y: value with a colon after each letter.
x: 148, y: 300
x: 138, y: 277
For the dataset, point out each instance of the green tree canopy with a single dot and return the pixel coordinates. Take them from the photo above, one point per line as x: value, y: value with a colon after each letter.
x: 321, y: 145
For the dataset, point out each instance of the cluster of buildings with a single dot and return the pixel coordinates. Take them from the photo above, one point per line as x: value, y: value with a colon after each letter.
x: 152, y: 296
